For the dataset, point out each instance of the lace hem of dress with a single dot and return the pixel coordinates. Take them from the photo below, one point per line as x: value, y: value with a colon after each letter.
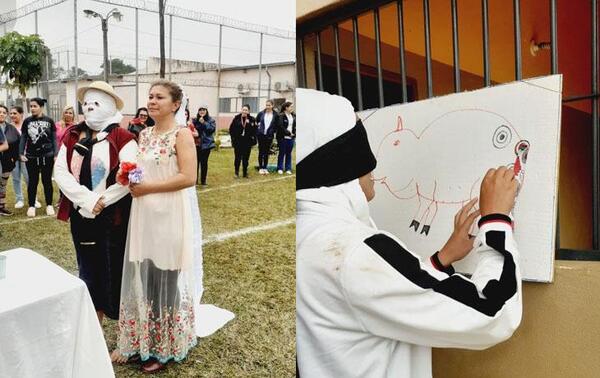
x: 170, y: 335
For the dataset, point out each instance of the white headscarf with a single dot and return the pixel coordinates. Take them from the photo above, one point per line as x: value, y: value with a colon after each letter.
x: 100, y: 110
x: 323, y: 117
x: 180, y: 115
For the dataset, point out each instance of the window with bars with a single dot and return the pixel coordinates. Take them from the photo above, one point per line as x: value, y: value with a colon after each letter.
x: 385, y: 52
x: 225, y: 105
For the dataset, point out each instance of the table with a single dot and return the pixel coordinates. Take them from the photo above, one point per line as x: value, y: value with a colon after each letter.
x: 48, y: 325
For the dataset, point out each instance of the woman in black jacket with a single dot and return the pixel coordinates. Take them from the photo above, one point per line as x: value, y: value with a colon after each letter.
x: 37, y: 149
x: 243, y: 136
x: 267, y: 125
x: 9, y: 157
x: 286, y: 135
x: 206, y: 126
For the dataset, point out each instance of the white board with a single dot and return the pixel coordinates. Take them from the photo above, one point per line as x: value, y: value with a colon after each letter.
x: 432, y: 155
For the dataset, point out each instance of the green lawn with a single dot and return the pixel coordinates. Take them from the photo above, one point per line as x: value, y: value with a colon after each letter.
x: 251, y: 275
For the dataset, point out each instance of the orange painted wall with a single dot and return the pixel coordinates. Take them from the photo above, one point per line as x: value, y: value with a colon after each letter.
x: 574, y: 23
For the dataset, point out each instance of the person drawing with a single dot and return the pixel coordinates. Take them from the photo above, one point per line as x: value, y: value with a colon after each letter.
x: 366, y: 306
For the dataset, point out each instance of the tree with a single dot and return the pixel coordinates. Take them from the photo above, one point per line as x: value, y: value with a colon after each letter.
x: 161, y: 22
x: 80, y: 72
x: 21, y: 59
x: 117, y: 66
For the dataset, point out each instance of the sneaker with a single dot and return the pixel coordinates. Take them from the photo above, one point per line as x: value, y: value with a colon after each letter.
x: 31, y: 212
x: 38, y: 205
x: 19, y: 205
x: 5, y: 212
x: 280, y: 171
x: 288, y: 172
x: 50, y: 210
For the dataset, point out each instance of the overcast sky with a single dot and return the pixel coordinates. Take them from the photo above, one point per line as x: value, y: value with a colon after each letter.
x: 191, y: 40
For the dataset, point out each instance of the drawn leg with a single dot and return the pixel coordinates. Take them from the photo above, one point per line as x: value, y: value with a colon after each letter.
x: 430, y: 211
x: 414, y: 223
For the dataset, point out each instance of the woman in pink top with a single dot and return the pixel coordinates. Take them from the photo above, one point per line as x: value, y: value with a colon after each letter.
x: 67, y: 120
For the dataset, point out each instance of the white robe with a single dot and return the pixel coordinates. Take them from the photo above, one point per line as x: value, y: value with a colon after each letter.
x: 360, y: 316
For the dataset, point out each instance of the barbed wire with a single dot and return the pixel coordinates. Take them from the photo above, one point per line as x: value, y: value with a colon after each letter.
x: 170, y: 10
x: 28, y: 9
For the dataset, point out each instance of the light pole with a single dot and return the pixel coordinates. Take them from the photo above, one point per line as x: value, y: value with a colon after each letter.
x: 113, y: 13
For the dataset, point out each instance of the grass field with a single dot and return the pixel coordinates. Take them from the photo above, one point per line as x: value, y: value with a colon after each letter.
x: 252, y: 274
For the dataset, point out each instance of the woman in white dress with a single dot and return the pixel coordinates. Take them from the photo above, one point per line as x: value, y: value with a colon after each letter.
x: 162, y: 265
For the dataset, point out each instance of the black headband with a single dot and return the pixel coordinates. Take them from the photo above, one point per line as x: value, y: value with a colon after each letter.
x: 341, y: 160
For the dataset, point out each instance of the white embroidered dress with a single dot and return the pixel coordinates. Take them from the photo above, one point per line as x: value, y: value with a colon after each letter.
x: 162, y: 273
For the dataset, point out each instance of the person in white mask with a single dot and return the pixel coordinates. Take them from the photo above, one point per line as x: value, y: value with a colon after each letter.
x: 366, y: 306
x: 96, y: 205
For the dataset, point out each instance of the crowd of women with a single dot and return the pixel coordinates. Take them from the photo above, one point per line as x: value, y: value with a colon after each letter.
x: 29, y: 145
x: 138, y: 242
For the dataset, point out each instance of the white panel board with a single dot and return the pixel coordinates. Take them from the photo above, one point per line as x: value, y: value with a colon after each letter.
x: 433, y: 154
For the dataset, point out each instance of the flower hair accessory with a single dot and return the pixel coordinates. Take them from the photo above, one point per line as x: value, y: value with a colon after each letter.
x: 129, y: 173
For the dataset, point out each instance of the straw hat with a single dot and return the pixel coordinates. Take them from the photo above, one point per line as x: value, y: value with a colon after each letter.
x: 101, y: 86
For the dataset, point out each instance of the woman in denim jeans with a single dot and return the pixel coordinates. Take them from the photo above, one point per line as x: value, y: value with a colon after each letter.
x: 286, y: 136
x: 16, y: 116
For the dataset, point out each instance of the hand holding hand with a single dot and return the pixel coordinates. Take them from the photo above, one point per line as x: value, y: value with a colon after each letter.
x: 460, y: 242
x: 99, y: 206
x: 498, y: 191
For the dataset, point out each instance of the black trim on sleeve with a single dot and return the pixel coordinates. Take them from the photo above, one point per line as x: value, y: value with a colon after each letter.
x: 495, y: 217
x: 496, y: 292
x: 340, y: 160
x: 437, y: 264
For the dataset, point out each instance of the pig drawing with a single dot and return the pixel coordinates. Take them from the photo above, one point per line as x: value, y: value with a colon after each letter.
x: 443, y: 164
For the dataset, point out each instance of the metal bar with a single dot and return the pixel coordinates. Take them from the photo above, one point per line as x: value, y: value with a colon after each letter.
x: 357, y: 63
x: 378, y: 57
x: 37, y: 83
x: 170, y: 46
x: 301, y: 64
x: 455, y: 46
x: 595, y: 133
x: 338, y: 69
x: 517, y: 25
x: 219, y: 70
x: 75, y: 56
x: 319, y: 70
x: 553, y: 38
x: 47, y: 90
x: 401, y: 49
x: 582, y: 97
x: 137, y: 57
x: 341, y: 14
x: 486, y: 43
x: 427, y: 49
x: 260, y: 67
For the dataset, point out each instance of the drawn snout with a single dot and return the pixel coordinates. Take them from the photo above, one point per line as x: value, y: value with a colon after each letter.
x: 522, y: 149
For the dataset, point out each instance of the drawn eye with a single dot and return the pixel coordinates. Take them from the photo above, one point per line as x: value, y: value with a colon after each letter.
x: 396, y: 142
x: 502, y: 136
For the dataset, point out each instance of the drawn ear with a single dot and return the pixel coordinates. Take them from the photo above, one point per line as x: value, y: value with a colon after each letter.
x: 399, y: 126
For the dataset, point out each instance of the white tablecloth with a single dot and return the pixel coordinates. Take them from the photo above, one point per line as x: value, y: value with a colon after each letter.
x: 48, y: 325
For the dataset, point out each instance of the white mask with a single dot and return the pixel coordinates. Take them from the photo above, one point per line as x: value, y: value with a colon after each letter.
x: 100, y: 110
